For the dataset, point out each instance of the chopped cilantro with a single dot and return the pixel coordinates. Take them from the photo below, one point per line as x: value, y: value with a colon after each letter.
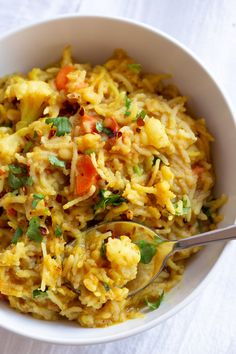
x: 106, y: 286
x: 18, y: 233
x: 141, y: 114
x: 36, y: 200
x: 17, y: 177
x: 58, y: 231
x: 17, y: 170
x: 89, y: 151
x: 207, y: 211
x: 62, y: 124
x: 28, y: 146
x: 39, y: 293
x: 101, y: 129
x: 182, y: 207
x: 138, y: 170
x: 128, y: 102
x: 135, y: 67
x: 154, y: 305
x: 108, y: 198
x: 147, y: 251
x: 56, y: 162
x: 103, y: 250
x: 33, y: 231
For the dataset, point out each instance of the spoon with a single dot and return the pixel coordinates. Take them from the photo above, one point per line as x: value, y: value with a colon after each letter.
x: 147, y: 273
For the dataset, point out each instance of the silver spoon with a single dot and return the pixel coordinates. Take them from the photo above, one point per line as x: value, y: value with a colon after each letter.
x: 147, y: 273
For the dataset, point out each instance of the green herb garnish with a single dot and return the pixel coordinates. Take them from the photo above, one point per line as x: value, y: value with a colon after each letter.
x: 103, y: 250
x: 108, y: 198
x: 106, y: 286
x: 101, y: 129
x: 135, y: 67
x: 138, y: 170
x: 62, y: 124
x: 154, y: 305
x: 147, y: 251
x: 36, y: 200
x: 56, y: 162
x: 58, y: 231
x: 128, y: 102
x: 28, y: 146
x: 182, y: 207
x: 39, y: 293
x: 207, y: 211
x: 89, y: 151
x: 141, y: 115
x: 18, y: 233
x: 17, y: 177
x: 33, y: 231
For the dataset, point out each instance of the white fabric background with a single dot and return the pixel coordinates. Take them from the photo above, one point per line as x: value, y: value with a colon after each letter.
x: 208, y: 27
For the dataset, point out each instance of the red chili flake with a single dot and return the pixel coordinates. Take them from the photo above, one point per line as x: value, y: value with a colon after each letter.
x: 11, y: 212
x: 140, y: 122
x: 43, y: 230
x: 51, y: 133
x: 48, y: 221
x: 138, y: 130
x: 81, y: 111
x: 119, y: 135
x: 59, y: 198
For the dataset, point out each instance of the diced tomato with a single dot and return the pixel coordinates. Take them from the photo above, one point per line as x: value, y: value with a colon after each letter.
x: 61, y: 78
x: 112, y: 124
x: 11, y: 212
x: 88, y: 124
x: 86, y: 175
x: 198, y: 169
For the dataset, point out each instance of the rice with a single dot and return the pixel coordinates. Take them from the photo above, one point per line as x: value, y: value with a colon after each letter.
x: 123, y: 147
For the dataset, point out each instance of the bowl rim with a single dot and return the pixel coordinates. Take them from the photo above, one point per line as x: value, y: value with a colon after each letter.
x: 196, y: 291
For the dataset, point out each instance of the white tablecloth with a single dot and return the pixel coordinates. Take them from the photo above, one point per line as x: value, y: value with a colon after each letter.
x: 208, y: 27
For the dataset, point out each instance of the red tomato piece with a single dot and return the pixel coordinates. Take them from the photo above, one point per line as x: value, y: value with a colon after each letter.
x: 61, y: 78
x: 86, y: 175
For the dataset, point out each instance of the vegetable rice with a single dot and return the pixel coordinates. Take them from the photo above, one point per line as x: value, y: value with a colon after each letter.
x: 80, y: 145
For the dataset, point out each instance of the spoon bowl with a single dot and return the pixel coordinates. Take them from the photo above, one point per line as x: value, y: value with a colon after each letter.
x: 143, y: 236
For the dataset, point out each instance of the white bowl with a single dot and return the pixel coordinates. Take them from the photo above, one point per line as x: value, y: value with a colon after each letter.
x: 93, y: 39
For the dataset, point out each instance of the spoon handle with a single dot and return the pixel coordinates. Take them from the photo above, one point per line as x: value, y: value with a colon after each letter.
x: 227, y: 233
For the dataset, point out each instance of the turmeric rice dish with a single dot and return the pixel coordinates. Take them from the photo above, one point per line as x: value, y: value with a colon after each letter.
x: 80, y: 145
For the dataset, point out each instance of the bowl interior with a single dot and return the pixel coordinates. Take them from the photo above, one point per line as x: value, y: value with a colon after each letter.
x: 93, y: 39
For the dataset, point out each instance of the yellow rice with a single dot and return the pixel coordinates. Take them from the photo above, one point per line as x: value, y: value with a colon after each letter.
x: 159, y: 163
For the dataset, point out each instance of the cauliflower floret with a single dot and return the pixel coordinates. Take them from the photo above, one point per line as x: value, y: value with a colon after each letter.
x: 32, y: 96
x: 156, y: 133
x: 122, y: 252
x: 9, y: 145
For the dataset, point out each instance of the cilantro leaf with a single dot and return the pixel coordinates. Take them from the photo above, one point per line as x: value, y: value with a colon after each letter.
x: 128, y: 102
x: 56, y: 162
x: 135, y: 67
x: 147, y: 251
x: 89, y: 151
x: 106, y: 286
x: 33, y: 231
x: 154, y: 305
x: 138, y: 170
x: 18, y: 233
x: 108, y: 198
x: 39, y: 293
x: 36, y: 200
x: 141, y: 114
x: 182, y: 207
x: 62, y: 124
x: 17, y: 170
x: 58, y: 231
x: 28, y: 146
x: 17, y: 177
x: 101, y: 129
x: 103, y: 250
